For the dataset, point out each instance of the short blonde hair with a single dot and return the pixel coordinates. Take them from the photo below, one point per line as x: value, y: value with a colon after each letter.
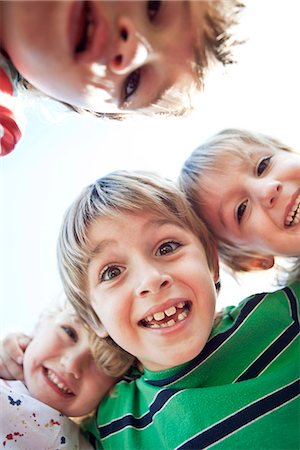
x: 211, y: 156
x: 114, y: 194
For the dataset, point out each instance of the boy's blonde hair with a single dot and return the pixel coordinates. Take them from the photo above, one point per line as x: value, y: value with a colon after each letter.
x: 112, y: 361
x: 118, y: 193
x: 212, y: 156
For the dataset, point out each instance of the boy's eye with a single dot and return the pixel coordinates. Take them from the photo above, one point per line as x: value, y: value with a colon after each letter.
x: 241, y: 210
x: 153, y: 8
x: 167, y: 247
x: 110, y: 272
x: 70, y: 332
x: 262, y: 165
x: 131, y: 84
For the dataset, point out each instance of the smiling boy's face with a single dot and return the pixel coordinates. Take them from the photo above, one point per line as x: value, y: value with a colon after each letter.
x: 258, y: 205
x: 59, y: 369
x: 151, y: 287
x: 105, y: 56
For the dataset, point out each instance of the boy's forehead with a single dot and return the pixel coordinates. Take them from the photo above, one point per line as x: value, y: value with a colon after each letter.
x: 148, y: 217
x: 109, y: 226
x: 241, y: 156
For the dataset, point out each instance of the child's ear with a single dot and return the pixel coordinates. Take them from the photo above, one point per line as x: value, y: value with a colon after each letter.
x: 261, y: 263
x: 101, y: 332
x: 98, y: 328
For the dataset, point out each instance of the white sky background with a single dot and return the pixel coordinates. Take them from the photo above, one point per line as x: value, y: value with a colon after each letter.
x: 56, y: 159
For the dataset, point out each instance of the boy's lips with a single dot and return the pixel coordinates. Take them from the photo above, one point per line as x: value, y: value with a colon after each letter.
x: 167, y: 316
x: 57, y: 383
x: 88, y: 32
x: 292, y: 215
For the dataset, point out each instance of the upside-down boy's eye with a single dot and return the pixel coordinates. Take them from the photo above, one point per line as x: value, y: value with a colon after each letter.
x: 131, y: 84
x: 153, y: 8
x: 241, y: 211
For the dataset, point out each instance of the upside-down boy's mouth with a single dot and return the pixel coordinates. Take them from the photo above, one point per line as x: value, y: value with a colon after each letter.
x: 85, y: 28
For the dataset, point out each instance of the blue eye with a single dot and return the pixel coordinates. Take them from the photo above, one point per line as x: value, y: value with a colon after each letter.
x: 153, y: 8
x: 167, y: 247
x: 263, y: 165
x: 241, y: 211
x: 131, y: 84
x: 70, y: 332
x: 110, y: 273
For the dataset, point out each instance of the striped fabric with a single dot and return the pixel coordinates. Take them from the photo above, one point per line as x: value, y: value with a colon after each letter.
x: 240, y: 392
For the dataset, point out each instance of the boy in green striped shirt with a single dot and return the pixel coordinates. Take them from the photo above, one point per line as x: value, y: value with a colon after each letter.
x: 141, y: 269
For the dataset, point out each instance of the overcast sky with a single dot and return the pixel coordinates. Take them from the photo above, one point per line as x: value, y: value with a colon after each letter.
x: 56, y: 158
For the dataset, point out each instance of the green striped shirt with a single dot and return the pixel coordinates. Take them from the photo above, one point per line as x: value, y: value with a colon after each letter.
x: 240, y: 392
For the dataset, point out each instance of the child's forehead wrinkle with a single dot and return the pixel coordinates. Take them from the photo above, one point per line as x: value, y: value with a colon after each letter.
x: 100, y: 248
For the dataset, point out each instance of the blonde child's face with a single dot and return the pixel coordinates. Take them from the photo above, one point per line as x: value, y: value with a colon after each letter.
x: 105, y: 56
x: 255, y: 203
x: 59, y: 369
x: 151, y: 287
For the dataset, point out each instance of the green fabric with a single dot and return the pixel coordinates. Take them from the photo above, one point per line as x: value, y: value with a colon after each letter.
x: 241, y: 392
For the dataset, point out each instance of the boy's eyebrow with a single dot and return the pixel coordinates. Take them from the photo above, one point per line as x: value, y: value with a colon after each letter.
x: 100, y: 247
x: 161, y: 222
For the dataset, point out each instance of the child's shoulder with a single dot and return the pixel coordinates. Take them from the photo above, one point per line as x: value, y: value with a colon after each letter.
x: 278, y: 306
x: 280, y: 297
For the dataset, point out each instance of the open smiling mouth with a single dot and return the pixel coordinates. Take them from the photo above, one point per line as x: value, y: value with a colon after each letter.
x: 53, y: 378
x: 167, y: 318
x: 293, y: 217
x: 85, y: 30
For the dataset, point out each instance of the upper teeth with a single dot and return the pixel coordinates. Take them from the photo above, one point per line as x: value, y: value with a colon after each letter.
x: 293, y: 216
x: 51, y: 375
x: 162, y: 315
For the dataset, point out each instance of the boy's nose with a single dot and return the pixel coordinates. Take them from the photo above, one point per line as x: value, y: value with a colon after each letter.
x: 129, y: 51
x: 269, y: 192
x: 153, y: 282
